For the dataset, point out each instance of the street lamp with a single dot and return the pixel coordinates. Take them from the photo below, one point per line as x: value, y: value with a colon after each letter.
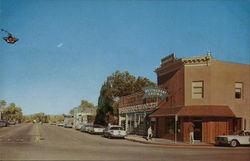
x: 9, y: 38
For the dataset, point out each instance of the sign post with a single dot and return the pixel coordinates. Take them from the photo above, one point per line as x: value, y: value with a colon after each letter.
x: 175, y: 131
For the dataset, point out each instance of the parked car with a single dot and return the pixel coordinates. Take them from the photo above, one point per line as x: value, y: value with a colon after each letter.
x: 86, y: 127
x: 52, y: 123
x: 10, y: 122
x: 114, y: 131
x: 68, y: 125
x: 79, y: 126
x: 240, y: 138
x: 3, y: 123
x: 96, y: 129
x: 60, y: 124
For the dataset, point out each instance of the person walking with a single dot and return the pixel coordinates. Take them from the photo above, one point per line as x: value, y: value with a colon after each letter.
x: 191, y: 133
x: 150, y: 133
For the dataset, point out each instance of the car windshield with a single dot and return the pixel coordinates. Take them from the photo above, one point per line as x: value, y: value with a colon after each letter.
x: 242, y: 133
x: 116, y: 128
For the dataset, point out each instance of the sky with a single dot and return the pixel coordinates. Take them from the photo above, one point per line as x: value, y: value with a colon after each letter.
x: 67, y: 48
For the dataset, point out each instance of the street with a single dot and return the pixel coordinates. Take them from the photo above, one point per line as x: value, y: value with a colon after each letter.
x: 50, y: 142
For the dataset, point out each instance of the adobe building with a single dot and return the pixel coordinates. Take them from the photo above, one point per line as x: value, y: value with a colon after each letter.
x: 134, y: 111
x: 211, y: 94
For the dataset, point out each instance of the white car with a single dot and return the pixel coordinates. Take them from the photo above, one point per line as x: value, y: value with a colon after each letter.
x: 114, y: 131
x: 96, y: 129
x: 78, y: 126
x: 241, y: 138
x: 86, y: 127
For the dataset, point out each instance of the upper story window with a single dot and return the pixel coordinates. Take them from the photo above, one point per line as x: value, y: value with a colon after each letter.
x: 238, y: 90
x: 197, y: 89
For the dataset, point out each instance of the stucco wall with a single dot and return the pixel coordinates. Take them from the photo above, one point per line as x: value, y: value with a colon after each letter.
x: 219, y: 84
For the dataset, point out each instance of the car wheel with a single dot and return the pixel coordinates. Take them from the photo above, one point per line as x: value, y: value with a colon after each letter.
x: 109, y: 137
x: 233, y: 143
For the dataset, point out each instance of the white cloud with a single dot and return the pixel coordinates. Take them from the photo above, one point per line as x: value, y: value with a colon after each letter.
x: 60, y: 45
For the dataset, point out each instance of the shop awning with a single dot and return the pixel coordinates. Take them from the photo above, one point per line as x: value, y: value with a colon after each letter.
x: 194, y: 111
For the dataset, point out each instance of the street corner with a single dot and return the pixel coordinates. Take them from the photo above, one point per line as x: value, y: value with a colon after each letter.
x: 154, y: 141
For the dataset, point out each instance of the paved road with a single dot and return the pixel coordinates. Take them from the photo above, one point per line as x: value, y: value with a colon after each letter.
x: 47, y: 142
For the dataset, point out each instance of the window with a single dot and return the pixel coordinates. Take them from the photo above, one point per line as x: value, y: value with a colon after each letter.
x: 197, y: 89
x: 170, y: 126
x: 238, y: 90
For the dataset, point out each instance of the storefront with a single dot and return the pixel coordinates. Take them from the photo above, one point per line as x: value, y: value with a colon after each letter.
x: 208, y: 121
x: 134, y: 111
x: 135, y: 118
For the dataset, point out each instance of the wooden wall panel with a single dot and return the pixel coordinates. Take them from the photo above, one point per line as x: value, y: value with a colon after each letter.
x: 214, y: 127
x: 161, y: 127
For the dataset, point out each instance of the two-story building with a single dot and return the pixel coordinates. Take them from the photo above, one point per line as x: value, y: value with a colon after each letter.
x: 134, y: 111
x: 213, y: 95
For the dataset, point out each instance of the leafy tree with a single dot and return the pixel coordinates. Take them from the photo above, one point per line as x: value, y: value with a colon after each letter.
x: 56, y: 118
x: 38, y: 117
x: 84, y: 105
x: 117, y: 85
x: 2, y: 105
x: 72, y: 111
x: 12, y: 112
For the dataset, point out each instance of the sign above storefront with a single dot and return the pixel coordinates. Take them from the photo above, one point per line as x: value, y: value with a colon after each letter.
x: 138, y: 108
x: 155, y: 92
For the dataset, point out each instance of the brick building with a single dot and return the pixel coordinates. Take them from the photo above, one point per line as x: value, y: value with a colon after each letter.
x: 211, y: 94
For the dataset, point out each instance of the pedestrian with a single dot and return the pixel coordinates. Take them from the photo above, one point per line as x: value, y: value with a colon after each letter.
x: 191, y: 133
x: 150, y: 133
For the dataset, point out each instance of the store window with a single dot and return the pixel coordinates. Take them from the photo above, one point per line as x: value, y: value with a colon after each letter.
x: 170, y: 126
x: 197, y: 89
x: 238, y: 90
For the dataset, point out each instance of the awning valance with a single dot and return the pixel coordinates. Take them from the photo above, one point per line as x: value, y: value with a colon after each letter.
x: 194, y: 111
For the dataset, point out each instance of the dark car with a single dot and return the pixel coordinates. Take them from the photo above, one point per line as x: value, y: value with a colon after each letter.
x: 3, y: 123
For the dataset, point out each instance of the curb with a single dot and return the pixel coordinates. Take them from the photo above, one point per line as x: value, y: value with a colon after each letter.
x: 176, y: 145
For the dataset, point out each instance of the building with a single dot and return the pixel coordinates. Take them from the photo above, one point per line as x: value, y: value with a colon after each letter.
x: 134, y: 111
x: 68, y: 119
x: 84, y: 116
x: 211, y: 94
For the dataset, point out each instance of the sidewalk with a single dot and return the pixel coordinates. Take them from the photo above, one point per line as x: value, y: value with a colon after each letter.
x: 166, y: 142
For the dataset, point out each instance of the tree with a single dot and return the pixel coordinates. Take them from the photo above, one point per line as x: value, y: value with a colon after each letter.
x: 12, y: 112
x: 38, y: 117
x: 56, y: 118
x: 117, y: 85
x: 2, y: 105
x: 82, y: 107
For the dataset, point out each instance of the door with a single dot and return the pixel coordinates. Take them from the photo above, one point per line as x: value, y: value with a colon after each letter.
x: 198, y: 130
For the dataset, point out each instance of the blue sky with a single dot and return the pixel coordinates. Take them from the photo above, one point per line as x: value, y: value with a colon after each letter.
x: 67, y: 48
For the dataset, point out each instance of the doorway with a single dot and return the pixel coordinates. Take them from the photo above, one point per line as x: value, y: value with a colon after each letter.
x: 198, y: 130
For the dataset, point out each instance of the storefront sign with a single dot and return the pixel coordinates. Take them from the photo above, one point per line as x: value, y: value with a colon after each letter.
x: 155, y: 92
x: 138, y: 108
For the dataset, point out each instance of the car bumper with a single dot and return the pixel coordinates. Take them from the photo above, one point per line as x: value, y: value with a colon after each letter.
x: 118, y: 136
